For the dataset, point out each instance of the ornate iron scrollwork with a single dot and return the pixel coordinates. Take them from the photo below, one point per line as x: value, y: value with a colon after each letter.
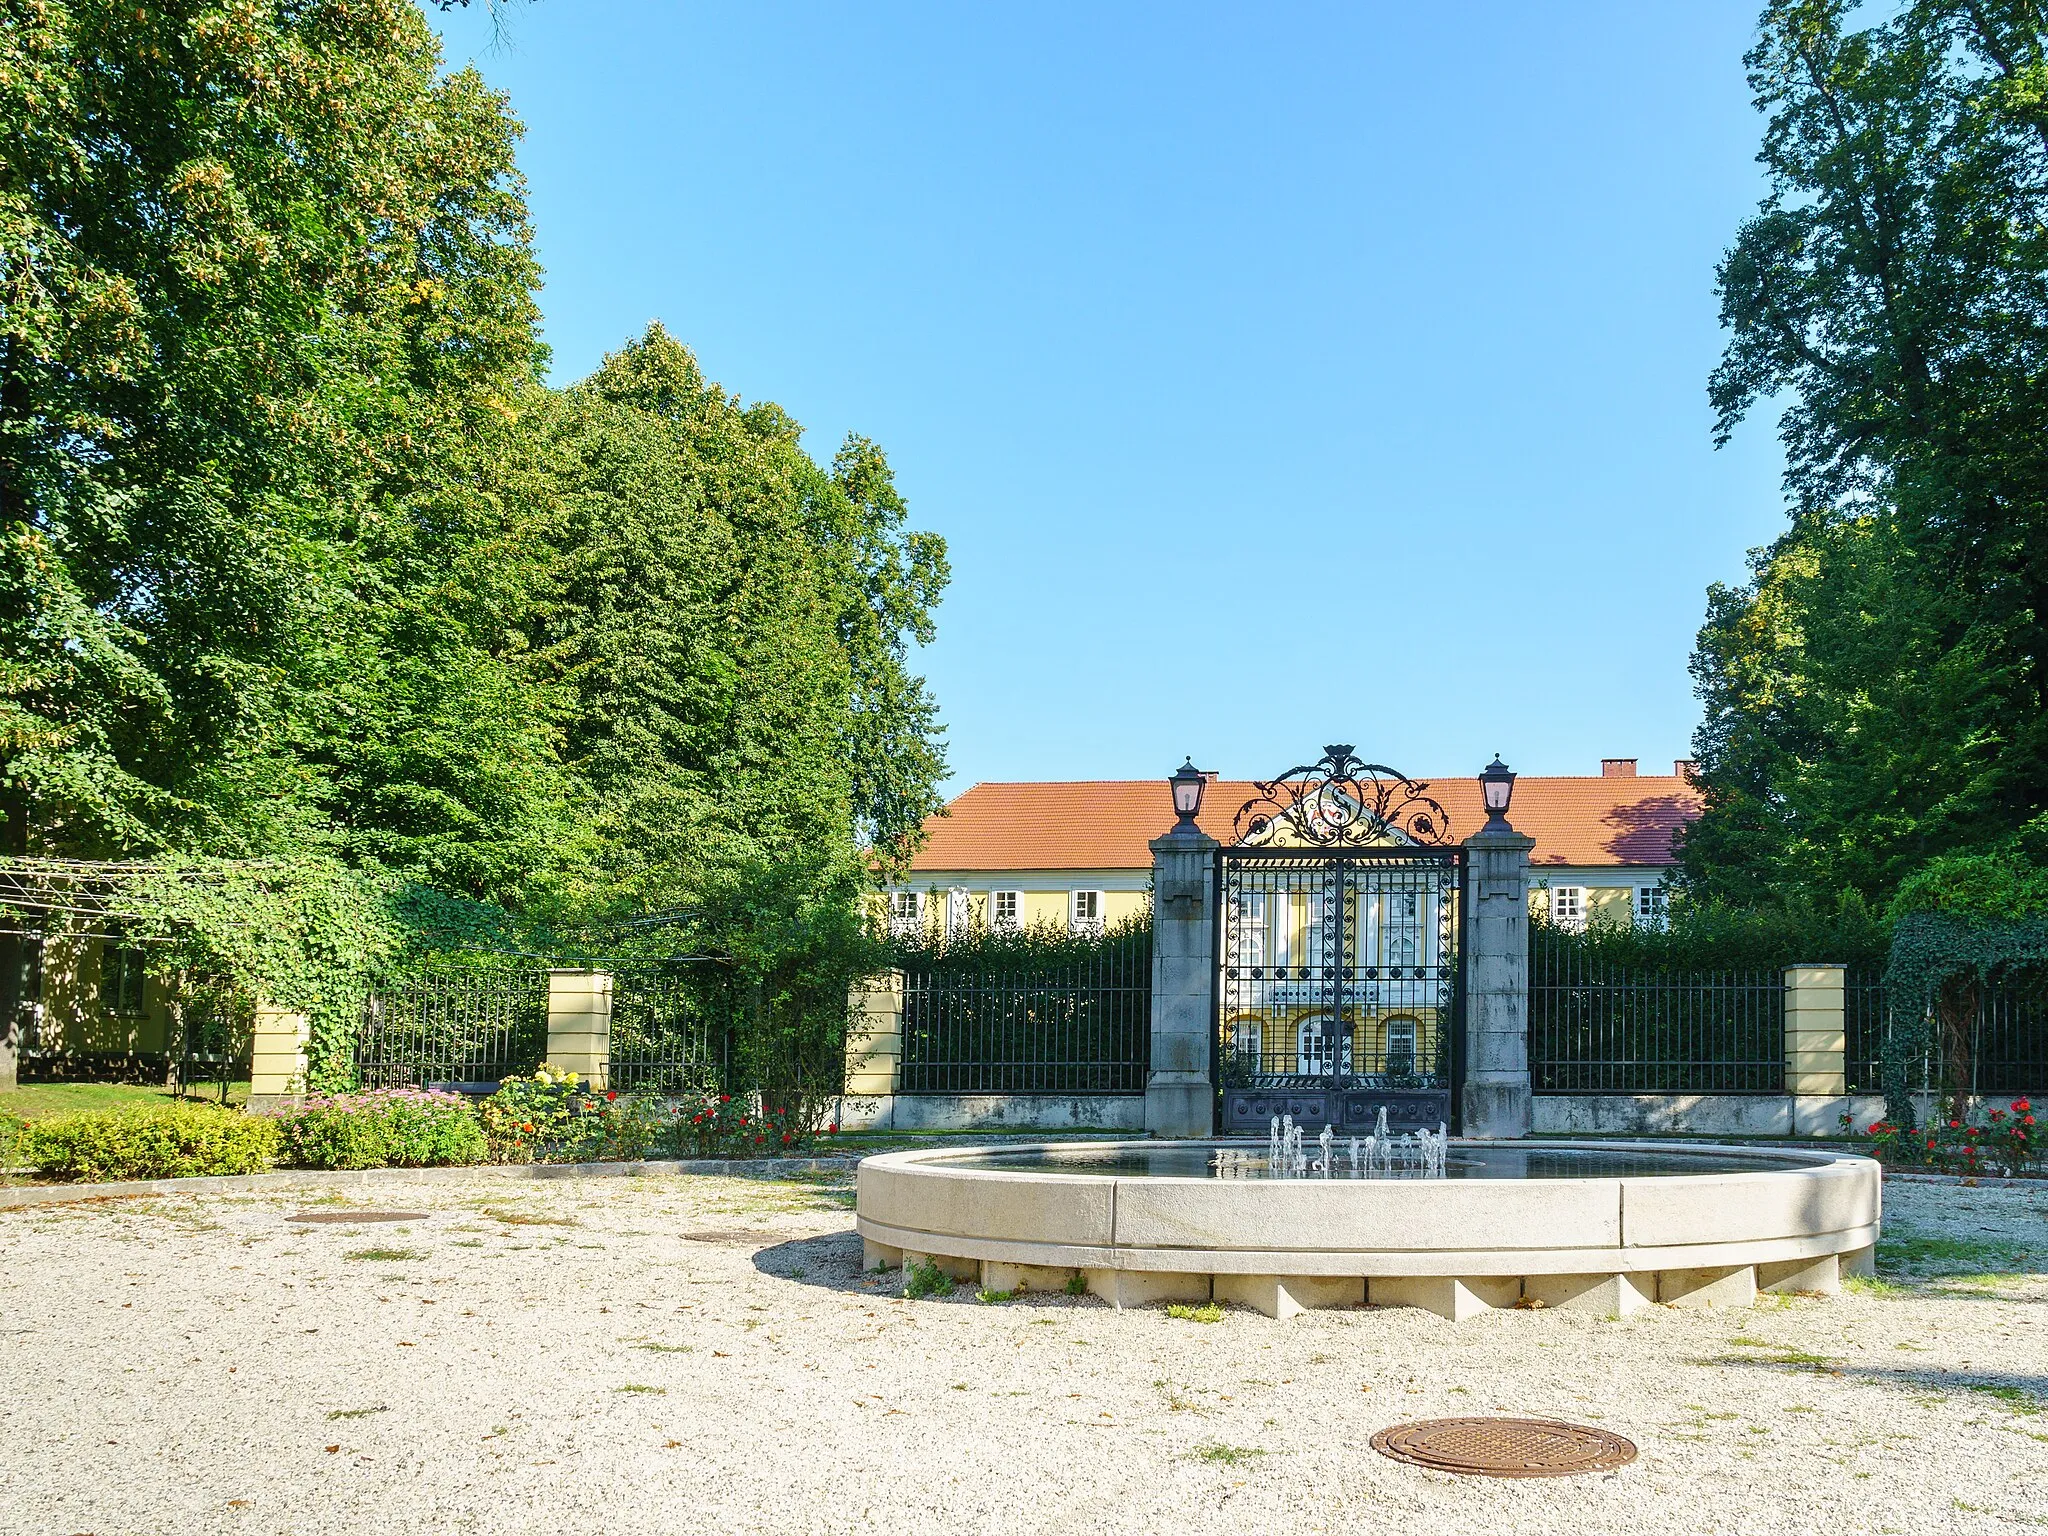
x: 1341, y: 802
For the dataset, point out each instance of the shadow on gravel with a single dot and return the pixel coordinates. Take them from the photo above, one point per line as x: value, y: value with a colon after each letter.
x: 831, y: 1262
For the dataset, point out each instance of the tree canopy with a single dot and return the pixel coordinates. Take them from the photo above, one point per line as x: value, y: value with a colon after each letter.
x: 1877, y: 693
x: 302, y: 559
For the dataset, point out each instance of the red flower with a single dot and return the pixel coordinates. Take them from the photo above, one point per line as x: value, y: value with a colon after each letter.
x: 613, y: 1094
x: 832, y: 1129
x: 2021, y: 1105
x: 725, y: 1098
x: 785, y: 1138
x: 1955, y: 1125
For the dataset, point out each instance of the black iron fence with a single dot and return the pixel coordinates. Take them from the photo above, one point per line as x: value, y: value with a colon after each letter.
x: 1864, y: 1017
x: 1080, y: 1027
x: 672, y: 1024
x: 1998, y: 1046
x: 479, y: 1022
x: 1598, y: 1027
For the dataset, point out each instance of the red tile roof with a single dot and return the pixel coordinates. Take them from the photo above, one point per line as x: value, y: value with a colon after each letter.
x: 1106, y: 823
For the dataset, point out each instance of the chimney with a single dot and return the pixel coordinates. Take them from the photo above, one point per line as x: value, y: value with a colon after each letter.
x: 1684, y: 768
x: 1617, y: 767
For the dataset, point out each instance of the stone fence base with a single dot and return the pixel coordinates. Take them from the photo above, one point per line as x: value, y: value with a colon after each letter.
x: 994, y: 1112
x: 1704, y: 1114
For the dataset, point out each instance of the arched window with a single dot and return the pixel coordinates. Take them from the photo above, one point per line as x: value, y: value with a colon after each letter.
x: 1400, y: 1047
x: 1312, y: 1048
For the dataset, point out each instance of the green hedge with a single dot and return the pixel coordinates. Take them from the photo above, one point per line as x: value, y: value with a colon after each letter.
x: 385, y: 1128
x: 177, y: 1142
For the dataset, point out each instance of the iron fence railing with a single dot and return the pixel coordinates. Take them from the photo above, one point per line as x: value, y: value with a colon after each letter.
x: 471, y: 1024
x: 1596, y: 1027
x: 1864, y: 1021
x: 672, y: 1025
x: 1997, y: 1046
x: 1076, y: 1028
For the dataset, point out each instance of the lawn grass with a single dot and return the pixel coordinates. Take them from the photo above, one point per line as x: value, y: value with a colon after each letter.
x: 41, y: 1101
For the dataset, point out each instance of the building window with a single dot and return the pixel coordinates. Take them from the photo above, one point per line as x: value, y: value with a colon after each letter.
x: 906, y: 913
x: 1653, y: 906
x: 1084, y: 912
x: 1400, y: 1047
x: 1568, y: 906
x: 1006, y: 911
x: 957, y: 912
x: 121, y: 978
x: 1245, y: 1040
x: 1313, y: 1049
x: 1402, y: 933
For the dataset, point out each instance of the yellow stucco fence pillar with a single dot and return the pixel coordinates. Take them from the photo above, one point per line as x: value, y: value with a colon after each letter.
x: 874, y: 1042
x: 1816, y: 1031
x: 277, y: 1056
x: 580, y: 1024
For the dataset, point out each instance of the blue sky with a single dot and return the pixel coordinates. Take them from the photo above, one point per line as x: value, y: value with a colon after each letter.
x: 1277, y: 377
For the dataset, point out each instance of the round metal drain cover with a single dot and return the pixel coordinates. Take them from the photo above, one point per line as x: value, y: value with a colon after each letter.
x: 1505, y: 1447
x: 350, y: 1218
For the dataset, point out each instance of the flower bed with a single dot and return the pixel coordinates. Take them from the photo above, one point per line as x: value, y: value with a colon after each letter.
x: 1998, y: 1141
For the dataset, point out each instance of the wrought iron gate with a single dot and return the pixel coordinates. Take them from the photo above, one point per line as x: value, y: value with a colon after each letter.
x: 1339, y: 912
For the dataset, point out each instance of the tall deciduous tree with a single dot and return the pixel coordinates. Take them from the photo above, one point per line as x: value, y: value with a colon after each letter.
x: 1878, y: 692
x: 731, y: 623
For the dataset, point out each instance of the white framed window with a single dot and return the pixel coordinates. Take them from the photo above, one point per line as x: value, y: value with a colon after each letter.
x: 1400, y: 1047
x: 1312, y: 1047
x: 957, y: 912
x: 1653, y: 906
x: 1251, y: 928
x: 1006, y: 911
x: 1084, y: 911
x: 906, y: 912
x: 121, y: 979
x: 1246, y: 1038
x: 1568, y: 905
x: 1401, y: 928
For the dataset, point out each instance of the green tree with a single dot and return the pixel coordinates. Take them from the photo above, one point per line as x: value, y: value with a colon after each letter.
x: 1877, y: 693
x: 731, y: 624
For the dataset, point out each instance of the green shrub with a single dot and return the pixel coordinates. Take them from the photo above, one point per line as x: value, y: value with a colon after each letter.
x: 550, y: 1116
x: 384, y: 1128
x: 176, y: 1142
x: 720, y: 1125
x: 924, y: 1278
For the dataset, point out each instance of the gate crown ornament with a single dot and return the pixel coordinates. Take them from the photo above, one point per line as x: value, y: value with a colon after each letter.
x: 1340, y: 801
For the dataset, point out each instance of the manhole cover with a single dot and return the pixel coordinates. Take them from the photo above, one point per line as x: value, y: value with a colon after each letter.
x: 1505, y: 1447
x: 350, y: 1218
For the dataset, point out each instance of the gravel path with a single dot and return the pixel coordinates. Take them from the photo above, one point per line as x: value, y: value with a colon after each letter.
x: 640, y: 1355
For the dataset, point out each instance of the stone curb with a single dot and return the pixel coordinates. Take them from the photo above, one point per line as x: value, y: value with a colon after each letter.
x: 363, y: 1178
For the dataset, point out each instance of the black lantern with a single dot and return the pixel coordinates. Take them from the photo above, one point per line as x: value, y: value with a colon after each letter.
x: 1497, y: 785
x: 1188, y: 782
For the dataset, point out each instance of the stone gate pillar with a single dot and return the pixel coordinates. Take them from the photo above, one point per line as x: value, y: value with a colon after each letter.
x: 1179, y: 1098
x: 1496, y: 1096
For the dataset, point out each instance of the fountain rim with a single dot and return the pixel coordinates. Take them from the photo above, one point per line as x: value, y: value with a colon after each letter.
x: 1810, y: 1159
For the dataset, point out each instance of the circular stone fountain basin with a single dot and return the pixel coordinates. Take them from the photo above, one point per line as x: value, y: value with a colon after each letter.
x: 1603, y: 1226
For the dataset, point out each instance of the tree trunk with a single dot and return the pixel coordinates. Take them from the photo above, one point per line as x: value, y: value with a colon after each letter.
x: 1956, y: 1020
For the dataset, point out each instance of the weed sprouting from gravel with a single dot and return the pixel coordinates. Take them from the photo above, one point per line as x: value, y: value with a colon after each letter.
x: 668, y: 1349
x: 385, y: 1255
x: 992, y: 1298
x: 358, y: 1413
x: 2018, y: 1399
x: 1207, y: 1312
x: 924, y: 1279
x: 634, y: 1386
x: 517, y: 1218
x: 1875, y: 1285
x: 1228, y: 1455
x: 1077, y: 1285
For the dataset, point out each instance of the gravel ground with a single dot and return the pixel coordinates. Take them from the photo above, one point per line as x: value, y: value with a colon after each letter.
x: 660, y: 1354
